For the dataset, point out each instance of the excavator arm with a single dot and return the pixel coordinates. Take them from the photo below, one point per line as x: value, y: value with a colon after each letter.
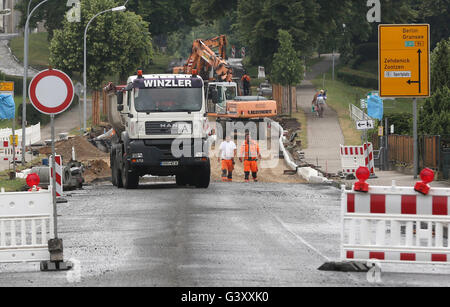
x: 203, y: 58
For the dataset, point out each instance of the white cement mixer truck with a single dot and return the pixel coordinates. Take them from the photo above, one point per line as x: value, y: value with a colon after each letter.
x: 159, y: 123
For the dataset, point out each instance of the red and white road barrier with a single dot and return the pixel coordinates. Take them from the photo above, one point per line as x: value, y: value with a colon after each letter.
x: 26, y: 224
x: 353, y: 157
x: 396, y: 224
x: 7, y: 152
x: 59, y: 174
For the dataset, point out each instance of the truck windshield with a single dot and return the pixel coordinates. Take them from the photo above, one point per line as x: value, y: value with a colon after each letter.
x: 168, y: 99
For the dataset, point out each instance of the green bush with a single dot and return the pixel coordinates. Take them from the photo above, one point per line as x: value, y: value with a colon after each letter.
x: 33, y: 116
x: 402, y: 123
x: 368, y: 51
x: 357, y: 78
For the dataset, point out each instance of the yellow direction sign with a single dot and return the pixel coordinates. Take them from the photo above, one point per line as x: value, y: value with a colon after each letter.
x: 404, y: 60
x: 6, y: 86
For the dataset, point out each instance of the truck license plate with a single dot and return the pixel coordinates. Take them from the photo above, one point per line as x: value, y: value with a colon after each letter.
x: 169, y: 163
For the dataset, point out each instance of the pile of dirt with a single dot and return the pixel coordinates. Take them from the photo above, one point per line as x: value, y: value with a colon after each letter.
x: 84, y: 150
x: 96, y: 170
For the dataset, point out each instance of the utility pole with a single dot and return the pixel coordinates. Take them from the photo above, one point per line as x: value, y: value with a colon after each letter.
x: 25, y: 77
x: 416, y: 139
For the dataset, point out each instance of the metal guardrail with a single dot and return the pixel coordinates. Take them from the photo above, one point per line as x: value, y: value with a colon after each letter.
x: 357, y: 114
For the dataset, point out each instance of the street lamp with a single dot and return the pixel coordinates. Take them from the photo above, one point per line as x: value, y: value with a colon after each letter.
x: 25, y: 75
x: 116, y: 9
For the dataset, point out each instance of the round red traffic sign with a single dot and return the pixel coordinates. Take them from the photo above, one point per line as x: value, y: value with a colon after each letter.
x: 51, y: 91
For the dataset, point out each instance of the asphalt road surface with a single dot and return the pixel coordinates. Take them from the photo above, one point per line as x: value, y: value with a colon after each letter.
x: 231, y: 234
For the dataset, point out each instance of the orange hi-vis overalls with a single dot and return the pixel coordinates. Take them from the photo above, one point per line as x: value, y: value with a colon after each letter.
x: 227, y: 168
x: 250, y: 154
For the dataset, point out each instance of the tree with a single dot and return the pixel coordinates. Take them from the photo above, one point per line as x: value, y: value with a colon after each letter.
x: 440, y: 65
x: 164, y: 16
x: 259, y: 22
x: 117, y: 43
x: 211, y: 10
x: 436, y: 13
x: 435, y: 115
x: 287, y: 64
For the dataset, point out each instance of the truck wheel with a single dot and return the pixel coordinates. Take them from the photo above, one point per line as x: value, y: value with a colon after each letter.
x: 112, y: 158
x: 113, y: 175
x: 118, y: 177
x: 203, y: 177
x: 129, y: 179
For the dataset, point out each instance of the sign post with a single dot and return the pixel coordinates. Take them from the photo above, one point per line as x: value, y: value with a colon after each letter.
x: 51, y: 92
x: 404, y: 67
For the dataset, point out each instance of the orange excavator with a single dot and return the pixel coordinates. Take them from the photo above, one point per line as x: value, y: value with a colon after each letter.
x: 203, y: 59
x: 225, y: 102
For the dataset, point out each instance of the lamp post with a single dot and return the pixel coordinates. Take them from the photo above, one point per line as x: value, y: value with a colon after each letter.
x: 116, y: 9
x: 25, y: 75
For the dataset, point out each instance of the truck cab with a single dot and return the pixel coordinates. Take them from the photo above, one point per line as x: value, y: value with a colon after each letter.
x: 160, y: 125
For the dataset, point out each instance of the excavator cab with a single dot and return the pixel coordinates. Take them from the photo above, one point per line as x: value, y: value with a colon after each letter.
x: 218, y: 93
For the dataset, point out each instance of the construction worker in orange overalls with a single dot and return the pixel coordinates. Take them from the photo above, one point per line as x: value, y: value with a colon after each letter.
x: 227, y: 153
x: 250, y: 153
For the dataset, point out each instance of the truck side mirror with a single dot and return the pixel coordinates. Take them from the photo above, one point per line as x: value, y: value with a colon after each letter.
x: 119, y: 95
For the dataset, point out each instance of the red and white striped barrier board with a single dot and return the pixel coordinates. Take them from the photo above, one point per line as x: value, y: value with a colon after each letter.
x: 369, y: 158
x: 7, y: 151
x: 353, y: 157
x: 59, y: 174
x: 396, y: 224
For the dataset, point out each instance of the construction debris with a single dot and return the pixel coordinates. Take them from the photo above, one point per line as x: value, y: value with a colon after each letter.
x: 85, y: 151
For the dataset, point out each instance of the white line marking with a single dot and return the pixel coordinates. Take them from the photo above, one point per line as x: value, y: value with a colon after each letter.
x: 299, y: 237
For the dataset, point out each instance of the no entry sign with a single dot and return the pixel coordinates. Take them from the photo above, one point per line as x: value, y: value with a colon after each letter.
x: 51, y: 91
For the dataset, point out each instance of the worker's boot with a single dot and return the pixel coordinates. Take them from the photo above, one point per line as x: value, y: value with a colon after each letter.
x: 255, y: 177
x: 247, y: 176
x: 224, y: 176
x: 230, y: 177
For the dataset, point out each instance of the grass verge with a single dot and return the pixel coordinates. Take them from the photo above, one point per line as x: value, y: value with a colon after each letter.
x: 301, y: 118
x: 16, y: 185
x: 39, y: 51
x: 341, y: 95
x: 160, y: 63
